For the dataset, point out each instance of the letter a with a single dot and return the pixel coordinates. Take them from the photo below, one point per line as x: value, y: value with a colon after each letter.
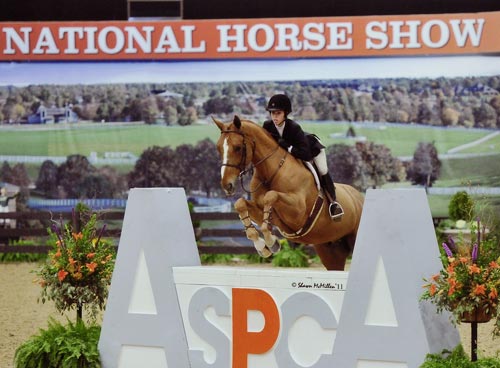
x: 396, y: 247
x: 142, y: 326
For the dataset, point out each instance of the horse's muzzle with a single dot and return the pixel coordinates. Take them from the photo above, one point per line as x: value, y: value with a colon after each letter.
x: 229, y: 189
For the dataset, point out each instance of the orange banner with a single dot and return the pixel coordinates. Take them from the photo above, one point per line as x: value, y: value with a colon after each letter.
x: 442, y: 34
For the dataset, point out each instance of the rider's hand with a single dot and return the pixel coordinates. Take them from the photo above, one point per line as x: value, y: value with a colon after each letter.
x: 283, y: 143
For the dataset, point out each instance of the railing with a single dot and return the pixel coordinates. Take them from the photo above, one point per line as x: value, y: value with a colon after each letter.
x: 215, y: 240
x: 224, y: 244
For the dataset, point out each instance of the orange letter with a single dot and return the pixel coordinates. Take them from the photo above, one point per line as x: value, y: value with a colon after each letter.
x: 245, y: 342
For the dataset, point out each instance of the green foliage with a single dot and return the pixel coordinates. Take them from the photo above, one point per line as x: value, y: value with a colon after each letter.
x: 254, y: 258
x: 216, y: 258
x: 461, y: 207
x: 78, y: 270
x: 22, y: 257
x: 290, y: 257
x: 458, y: 359
x: 70, y: 346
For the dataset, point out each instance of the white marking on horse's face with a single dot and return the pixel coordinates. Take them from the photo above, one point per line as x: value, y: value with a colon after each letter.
x: 225, y: 154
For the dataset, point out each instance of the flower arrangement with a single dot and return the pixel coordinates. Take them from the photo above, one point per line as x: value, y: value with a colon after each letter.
x: 469, y: 282
x: 78, y: 270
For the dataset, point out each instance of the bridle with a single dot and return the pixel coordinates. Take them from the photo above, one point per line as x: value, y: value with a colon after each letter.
x: 243, y: 170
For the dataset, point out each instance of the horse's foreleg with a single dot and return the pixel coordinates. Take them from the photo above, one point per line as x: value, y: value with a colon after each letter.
x: 251, y: 232
x: 267, y: 227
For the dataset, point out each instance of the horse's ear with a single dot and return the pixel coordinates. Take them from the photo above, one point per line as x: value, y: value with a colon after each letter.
x: 220, y: 124
x: 237, y: 121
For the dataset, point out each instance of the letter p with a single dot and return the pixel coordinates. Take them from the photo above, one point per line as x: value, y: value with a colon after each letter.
x: 245, y: 342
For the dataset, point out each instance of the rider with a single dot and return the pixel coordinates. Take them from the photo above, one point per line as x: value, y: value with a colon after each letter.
x: 301, y: 145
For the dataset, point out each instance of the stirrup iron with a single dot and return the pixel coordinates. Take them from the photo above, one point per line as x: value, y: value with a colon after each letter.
x: 335, y: 210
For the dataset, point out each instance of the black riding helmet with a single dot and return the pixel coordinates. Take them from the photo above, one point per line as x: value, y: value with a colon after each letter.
x: 280, y: 102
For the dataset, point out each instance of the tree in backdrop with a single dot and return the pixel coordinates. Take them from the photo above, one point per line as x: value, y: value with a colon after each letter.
x: 46, y: 181
x: 425, y: 166
x: 6, y: 174
x: 207, y: 167
x: 17, y: 174
x: 345, y: 164
x: 379, y: 164
x: 155, y: 167
x: 117, y: 180
x: 71, y: 175
x: 95, y: 185
x: 184, y: 166
x: 364, y: 165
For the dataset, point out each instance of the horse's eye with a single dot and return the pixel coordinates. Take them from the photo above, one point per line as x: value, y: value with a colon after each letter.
x: 237, y: 148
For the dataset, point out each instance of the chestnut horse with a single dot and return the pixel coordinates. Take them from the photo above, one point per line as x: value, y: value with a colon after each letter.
x: 284, y: 195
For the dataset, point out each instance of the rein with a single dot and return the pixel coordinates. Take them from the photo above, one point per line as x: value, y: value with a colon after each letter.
x: 242, y: 163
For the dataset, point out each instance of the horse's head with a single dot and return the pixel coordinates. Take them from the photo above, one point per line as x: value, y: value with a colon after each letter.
x: 235, y: 150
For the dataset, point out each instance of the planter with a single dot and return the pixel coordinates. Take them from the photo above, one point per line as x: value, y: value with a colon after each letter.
x: 478, y: 315
x: 465, y: 234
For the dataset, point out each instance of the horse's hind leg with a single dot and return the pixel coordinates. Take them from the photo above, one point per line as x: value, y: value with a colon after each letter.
x: 333, y: 255
x: 243, y: 207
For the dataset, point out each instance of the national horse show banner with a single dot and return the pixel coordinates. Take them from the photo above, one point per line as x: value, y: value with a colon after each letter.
x: 324, y: 37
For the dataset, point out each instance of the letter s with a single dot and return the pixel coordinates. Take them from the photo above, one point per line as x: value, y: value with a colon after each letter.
x: 200, y: 301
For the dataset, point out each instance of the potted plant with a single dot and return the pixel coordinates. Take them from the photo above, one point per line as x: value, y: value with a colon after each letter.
x: 76, y: 274
x: 468, y: 285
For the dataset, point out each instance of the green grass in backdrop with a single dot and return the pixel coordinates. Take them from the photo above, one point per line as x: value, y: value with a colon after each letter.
x: 85, y: 138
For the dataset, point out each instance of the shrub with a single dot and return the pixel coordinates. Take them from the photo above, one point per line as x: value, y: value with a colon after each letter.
x: 70, y: 346
x: 461, y: 207
x: 458, y: 359
x: 290, y: 257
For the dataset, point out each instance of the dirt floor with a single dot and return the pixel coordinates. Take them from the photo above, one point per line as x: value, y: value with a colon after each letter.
x: 21, y: 316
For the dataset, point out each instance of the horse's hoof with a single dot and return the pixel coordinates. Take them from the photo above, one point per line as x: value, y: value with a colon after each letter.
x: 264, y: 253
x: 276, y: 247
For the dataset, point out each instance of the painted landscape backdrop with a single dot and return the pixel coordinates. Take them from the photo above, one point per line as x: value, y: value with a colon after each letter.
x: 99, y: 140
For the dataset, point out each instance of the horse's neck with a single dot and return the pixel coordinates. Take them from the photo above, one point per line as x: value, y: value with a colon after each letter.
x: 267, y: 154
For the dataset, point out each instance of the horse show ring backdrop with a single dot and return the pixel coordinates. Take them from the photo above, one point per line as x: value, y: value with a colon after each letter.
x: 156, y: 320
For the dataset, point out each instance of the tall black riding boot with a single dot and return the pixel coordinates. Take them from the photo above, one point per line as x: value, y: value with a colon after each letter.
x: 335, y: 209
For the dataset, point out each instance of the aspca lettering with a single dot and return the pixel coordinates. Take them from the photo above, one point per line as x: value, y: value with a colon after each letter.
x: 273, y: 334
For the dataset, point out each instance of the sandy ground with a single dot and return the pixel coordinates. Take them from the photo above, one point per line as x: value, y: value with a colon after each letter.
x: 21, y: 316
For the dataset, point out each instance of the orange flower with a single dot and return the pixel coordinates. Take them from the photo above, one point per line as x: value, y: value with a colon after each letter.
x: 479, y: 290
x: 464, y: 259
x: 61, y: 275
x: 77, y: 236
x: 450, y: 269
x: 58, y: 253
x: 91, y: 266
x: 90, y: 255
x: 453, y: 283
x: 432, y: 289
x: 493, y: 294
x: 493, y: 265
x: 71, y: 261
x: 435, y: 277
x: 474, y: 269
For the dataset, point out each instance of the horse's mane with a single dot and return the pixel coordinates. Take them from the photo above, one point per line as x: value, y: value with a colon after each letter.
x: 256, y: 129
